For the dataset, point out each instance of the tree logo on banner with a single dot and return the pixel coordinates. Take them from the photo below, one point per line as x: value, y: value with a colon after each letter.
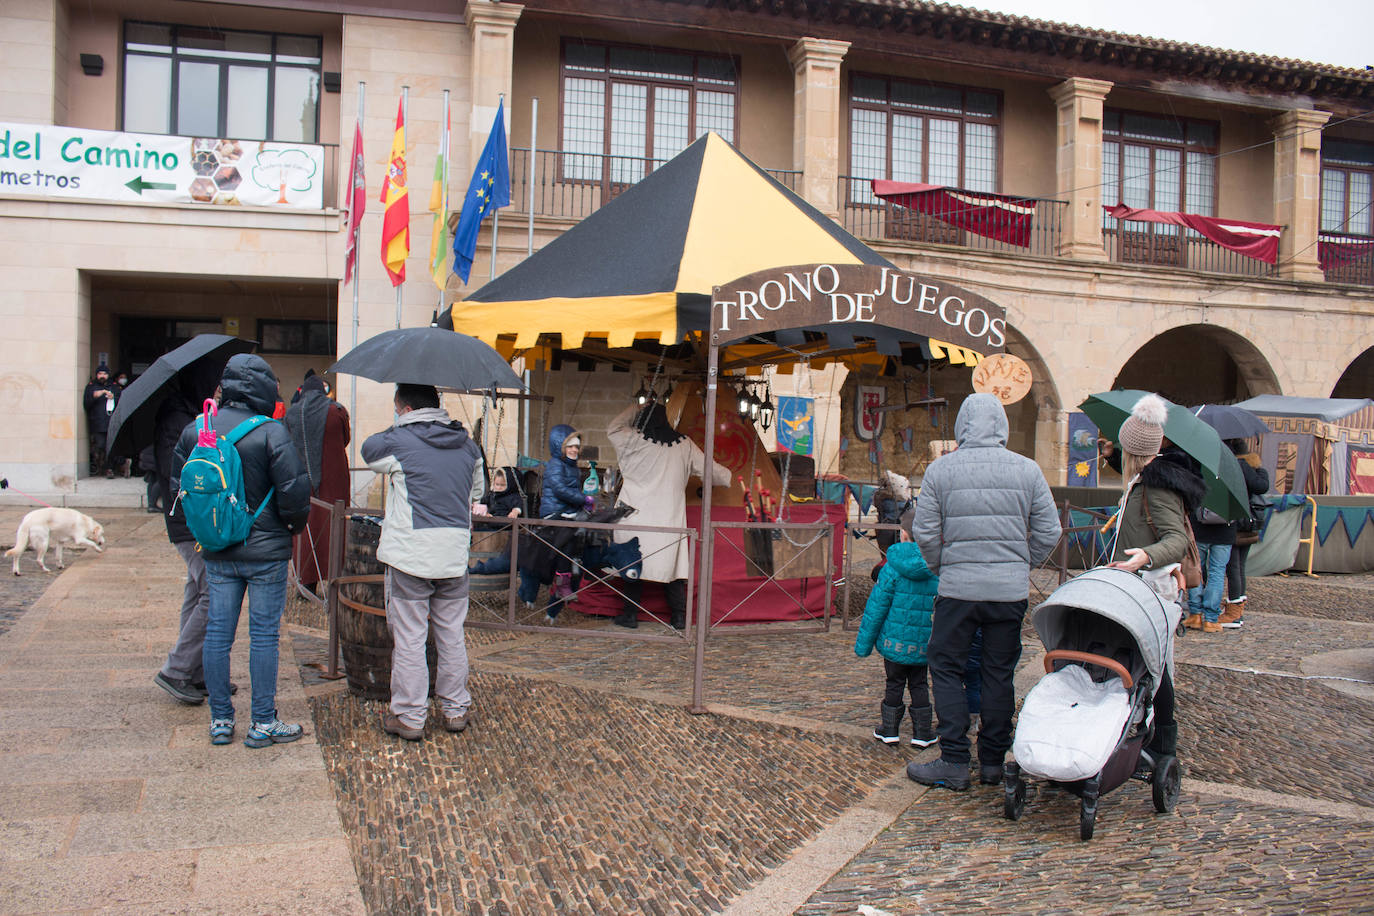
x: 868, y: 420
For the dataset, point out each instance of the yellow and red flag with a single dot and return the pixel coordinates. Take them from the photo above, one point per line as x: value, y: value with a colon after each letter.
x: 439, y: 254
x: 396, y: 204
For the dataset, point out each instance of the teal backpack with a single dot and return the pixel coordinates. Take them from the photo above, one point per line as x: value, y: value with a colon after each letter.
x: 211, y: 497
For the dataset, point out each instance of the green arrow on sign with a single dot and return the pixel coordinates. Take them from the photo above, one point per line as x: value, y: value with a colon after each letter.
x: 138, y: 186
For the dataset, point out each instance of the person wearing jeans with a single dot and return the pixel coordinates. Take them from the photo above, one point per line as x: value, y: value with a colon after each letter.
x: 272, y: 473
x: 1215, y: 538
x: 264, y: 584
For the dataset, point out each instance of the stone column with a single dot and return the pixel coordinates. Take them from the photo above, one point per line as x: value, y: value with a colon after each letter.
x: 816, y: 107
x: 1078, y: 162
x: 1298, y: 190
x: 491, y: 27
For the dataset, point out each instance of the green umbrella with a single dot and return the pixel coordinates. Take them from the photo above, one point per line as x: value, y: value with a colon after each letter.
x: 1226, y: 492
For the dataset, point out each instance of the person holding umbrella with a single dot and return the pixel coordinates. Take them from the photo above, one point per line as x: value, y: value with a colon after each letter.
x: 1162, y: 487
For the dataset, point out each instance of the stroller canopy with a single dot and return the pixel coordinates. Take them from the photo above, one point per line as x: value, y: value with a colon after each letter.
x: 1115, y: 595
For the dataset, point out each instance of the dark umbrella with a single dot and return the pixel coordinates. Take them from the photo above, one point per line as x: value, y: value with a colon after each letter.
x: 133, y: 421
x: 1230, y: 421
x: 429, y: 356
x: 1226, y: 492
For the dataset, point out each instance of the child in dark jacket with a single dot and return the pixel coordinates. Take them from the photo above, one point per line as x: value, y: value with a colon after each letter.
x: 897, y: 620
x: 503, y: 499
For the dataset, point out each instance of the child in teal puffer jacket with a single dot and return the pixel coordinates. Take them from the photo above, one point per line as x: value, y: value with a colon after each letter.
x: 897, y: 619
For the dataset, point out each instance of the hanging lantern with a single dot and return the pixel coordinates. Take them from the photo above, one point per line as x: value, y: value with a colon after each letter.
x: 641, y: 395
x: 744, y: 403
x: 766, y: 410
x: 754, y: 405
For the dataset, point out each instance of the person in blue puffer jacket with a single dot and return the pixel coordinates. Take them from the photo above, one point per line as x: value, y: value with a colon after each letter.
x: 897, y: 619
x: 562, y: 484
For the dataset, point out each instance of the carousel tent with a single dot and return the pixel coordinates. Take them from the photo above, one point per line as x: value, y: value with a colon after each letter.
x: 644, y: 265
x: 1319, y: 446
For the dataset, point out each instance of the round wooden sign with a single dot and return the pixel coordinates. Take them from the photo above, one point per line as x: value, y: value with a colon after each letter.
x: 1003, y: 375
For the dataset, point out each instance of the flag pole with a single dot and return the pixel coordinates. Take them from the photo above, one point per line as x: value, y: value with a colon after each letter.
x: 443, y: 212
x: 534, y: 152
x: 496, y: 213
x: 357, y: 263
x: 405, y: 127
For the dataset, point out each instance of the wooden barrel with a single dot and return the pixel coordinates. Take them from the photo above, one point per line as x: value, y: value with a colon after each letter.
x: 364, y: 639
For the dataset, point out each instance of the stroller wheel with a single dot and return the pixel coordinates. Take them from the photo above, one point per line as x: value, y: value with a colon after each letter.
x: 1180, y: 629
x: 1166, y: 783
x: 1087, y: 812
x: 1014, y: 798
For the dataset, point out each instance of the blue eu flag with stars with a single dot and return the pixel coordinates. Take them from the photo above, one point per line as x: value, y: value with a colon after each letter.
x: 488, y: 190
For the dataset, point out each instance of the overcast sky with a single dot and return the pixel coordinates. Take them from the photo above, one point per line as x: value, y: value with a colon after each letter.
x: 1335, y: 32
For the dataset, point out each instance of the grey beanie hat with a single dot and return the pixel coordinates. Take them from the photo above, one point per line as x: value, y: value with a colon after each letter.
x: 1142, y: 433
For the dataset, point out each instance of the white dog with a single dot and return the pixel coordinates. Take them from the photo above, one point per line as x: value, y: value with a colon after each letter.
x: 53, y: 526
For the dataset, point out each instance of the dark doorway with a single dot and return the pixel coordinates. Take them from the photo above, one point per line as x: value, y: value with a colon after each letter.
x: 142, y: 340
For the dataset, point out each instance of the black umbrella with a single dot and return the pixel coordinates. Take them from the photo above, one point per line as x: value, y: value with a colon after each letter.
x: 429, y: 356
x: 1230, y: 421
x: 133, y: 421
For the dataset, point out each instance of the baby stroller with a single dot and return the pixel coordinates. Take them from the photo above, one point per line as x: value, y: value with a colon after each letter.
x: 1085, y: 724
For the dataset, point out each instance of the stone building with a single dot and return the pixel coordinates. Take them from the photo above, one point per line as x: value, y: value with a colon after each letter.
x: 824, y: 95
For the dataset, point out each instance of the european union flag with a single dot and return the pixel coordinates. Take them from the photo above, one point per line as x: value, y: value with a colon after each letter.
x: 488, y: 190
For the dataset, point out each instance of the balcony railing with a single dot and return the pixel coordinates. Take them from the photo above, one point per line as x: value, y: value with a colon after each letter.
x: 870, y: 218
x: 1352, y: 260
x: 1131, y: 242
x: 574, y: 185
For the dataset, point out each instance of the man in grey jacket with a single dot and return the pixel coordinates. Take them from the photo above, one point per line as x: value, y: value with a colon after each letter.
x: 434, y: 473
x: 984, y: 516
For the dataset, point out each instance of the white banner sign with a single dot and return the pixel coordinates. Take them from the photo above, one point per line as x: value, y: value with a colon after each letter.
x: 38, y: 160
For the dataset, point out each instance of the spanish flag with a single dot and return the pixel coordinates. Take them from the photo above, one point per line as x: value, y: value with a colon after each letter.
x: 439, y: 254
x: 395, y: 200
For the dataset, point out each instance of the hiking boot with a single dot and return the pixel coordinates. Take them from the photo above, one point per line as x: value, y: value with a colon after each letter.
x: 221, y: 731
x: 989, y: 774
x: 1193, y: 622
x: 456, y: 724
x: 181, y: 689
x: 1211, y: 626
x: 940, y: 773
x: 263, y: 734
x: 922, y: 726
x: 1233, y: 614
x: 887, y: 730
x: 392, y: 725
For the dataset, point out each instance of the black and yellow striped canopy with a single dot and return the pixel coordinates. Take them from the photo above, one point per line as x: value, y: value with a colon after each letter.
x: 644, y: 265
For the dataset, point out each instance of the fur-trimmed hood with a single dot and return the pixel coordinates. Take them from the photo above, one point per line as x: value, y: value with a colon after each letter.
x: 1175, y: 470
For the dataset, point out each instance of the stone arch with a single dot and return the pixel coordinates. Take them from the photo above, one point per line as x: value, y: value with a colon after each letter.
x: 1222, y: 366
x: 1356, y: 379
x: 1044, y: 405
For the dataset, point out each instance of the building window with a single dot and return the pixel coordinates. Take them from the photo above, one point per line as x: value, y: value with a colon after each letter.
x: 302, y: 337
x: 640, y: 107
x: 903, y: 131
x: 1159, y: 163
x: 201, y: 82
x: 1347, y: 186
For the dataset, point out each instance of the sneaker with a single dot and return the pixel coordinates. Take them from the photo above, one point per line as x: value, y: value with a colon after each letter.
x: 392, y: 725
x: 989, y: 774
x: 221, y: 731
x: 205, y: 691
x: 181, y: 689
x: 1211, y: 626
x: 940, y: 773
x: 456, y: 724
x: 275, y: 732
x: 550, y: 620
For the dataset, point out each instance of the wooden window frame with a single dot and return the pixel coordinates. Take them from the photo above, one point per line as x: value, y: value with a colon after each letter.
x: 1346, y: 168
x: 610, y: 79
x: 964, y: 117
x: 176, y: 55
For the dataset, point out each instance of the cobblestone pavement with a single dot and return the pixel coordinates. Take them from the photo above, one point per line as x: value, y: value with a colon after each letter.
x: 564, y: 800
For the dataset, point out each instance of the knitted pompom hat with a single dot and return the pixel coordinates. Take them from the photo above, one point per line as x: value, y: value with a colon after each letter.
x: 1143, y: 431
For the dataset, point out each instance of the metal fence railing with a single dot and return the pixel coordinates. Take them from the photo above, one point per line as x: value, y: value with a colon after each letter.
x: 1159, y: 245
x: 1351, y: 258
x: 571, y: 185
x: 868, y: 217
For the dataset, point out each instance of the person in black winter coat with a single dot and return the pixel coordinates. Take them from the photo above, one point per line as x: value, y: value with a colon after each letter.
x: 99, y: 400
x: 258, y: 565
